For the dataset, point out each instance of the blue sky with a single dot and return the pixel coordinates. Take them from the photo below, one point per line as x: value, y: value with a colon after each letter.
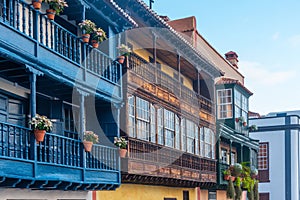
x: 266, y: 36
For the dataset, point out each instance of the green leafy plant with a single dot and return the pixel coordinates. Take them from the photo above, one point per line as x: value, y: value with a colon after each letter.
x: 227, y: 172
x: 255, y: 191
x: 253, y: 128
x: 90, y: 136
x: 230, y: 192
x: 41, y: 123
x: 124, y: 50
x: 120, y: 142
x: 57, y: 5
x: 88, y: 26
x: 237, y: 169
x: 99, y: 34
x: 238, y: 189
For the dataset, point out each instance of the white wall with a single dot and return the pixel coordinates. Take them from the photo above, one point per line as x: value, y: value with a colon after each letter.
x: 276, y: 186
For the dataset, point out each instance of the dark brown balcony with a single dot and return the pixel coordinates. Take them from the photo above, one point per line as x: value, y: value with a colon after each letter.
x: 149, y: 163
x: 153, y: 80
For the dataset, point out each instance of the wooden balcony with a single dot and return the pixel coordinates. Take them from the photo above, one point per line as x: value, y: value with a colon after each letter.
x: 57, y: 163
x: 28, y: 37
x: 149, y: 163
x: 154, y: 81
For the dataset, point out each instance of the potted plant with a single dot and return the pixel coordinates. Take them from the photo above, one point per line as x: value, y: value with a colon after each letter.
x: 230, y: 192
x: 237, y: 169
x: 245, y: 124
x: 239, y: 119
x: 55, y: 7
x: 89, y: 138
x: 88, y: 27
x: 124, y: 50
x: 37, y: 4
x: 40, y: 124
x: 238, y: 189
x: 98, y: 36
x: 121, y: 142
x: 254, y: 172
x: 227, y: 174
x: 253, y: 128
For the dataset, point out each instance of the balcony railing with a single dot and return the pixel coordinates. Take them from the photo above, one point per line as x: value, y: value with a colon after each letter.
x: 165, y: 157
x: 64, y: 154
x: 149, y: 72
x: 35, y: 25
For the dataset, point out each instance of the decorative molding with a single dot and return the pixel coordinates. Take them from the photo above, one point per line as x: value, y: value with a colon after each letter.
x: 33, y: 70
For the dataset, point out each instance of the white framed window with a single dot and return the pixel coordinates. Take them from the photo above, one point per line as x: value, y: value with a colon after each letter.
x: 131, y: 117
x: 169, y: 128
x: 224, y: 103
x: 241, y: 105
x: 142, y: 119
x: 224, y: 155
x: 209, y: 143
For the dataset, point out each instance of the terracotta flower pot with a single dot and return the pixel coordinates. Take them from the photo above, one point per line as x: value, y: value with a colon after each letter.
x: 50, y: 14
x: 122, y: 153
x: 244, y: 123
x: 226, y: 177
x: 85, y: 38
x: 87, y: 146
x: 237, y: 120
x: 39, y: 135
x: 95, y: 43
x: 37, y: 4
x: 121, y: 59
x: 232, y: 178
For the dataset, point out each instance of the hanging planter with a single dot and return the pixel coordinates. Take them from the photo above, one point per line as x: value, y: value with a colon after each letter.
x: 87, y: 146
x: 88, y: 27
x: 50, y: 14
x: 89, y: 139
x: 121, y: 59
x: 40, y: 125
x: 95, y: 43
x: 121, y: 142
x: 37, y: 4
x: 86, y: 38
x: 39, y: 135
x: 122, y: 153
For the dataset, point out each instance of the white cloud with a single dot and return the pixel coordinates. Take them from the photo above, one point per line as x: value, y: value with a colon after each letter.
x: 275, y: 36
x: 294, y: 40
x: 257, y: 73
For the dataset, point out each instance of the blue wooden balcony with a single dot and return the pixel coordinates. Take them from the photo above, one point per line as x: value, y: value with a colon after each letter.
x: 27, y: 36
x: 57, y: 163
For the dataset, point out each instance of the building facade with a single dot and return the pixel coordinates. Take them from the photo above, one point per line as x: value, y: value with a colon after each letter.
x: 278, y: 159
x: 47, y: 69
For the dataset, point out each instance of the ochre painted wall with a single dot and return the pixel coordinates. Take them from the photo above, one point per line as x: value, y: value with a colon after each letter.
x: 145, y: 192
x: 203, y: 194
x: 221, y: 195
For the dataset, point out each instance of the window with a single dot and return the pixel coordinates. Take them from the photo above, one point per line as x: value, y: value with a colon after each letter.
x: 241, y: 105
x: 169, y: 119
x: 186, y: 195
x: 232, y: 158
x: 263, y: 163
x: 142, y: 118
x: 224, y: 103
x: 190, y: 136
x: 212, y: 195
x: 131, y: 117
x: 202, y: 142
x: 160, y: 126
x: 224, y: 155
x: 264, y: 196
x: 209, y: 141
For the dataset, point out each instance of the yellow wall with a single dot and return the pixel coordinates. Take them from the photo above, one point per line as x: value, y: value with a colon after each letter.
x: 145, y: 192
